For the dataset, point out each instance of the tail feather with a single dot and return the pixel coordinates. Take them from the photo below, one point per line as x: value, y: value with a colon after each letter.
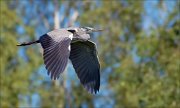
x: 28, y: 43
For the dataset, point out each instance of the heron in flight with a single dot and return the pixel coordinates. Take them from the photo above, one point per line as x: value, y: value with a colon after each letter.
x: 71, y: 43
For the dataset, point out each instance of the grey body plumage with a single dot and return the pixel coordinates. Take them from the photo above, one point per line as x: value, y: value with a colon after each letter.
x: 71, y: 43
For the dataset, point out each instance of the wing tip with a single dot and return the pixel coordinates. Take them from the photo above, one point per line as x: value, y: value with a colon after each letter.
x: 91, y: 87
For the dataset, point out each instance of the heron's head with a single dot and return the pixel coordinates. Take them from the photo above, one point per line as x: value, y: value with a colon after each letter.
x: 90, y: 30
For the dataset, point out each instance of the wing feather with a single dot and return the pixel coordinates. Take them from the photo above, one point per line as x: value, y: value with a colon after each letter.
x: 55, y: 51
x: 85, y: 61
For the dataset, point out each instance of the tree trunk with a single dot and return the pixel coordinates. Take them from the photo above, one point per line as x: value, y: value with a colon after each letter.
x: 72, y: 19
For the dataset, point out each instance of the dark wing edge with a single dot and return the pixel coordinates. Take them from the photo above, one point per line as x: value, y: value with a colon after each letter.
x: 55, y: 54
x: 84, y: 58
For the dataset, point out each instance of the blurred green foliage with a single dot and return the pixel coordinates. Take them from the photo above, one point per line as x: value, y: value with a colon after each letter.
x: 153, y: 81
x: 144, y: 66
x: 15, y: 72
x: 17, y: 84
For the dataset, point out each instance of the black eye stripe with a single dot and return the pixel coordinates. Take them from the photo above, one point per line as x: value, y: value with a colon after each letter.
x: 87, y: 28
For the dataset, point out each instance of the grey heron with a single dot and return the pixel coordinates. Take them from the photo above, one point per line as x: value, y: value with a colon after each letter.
x: 71, y: 43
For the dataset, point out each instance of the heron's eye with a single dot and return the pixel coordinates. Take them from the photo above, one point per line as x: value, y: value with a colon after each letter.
x: 88, y: 28
x: 84, y: 29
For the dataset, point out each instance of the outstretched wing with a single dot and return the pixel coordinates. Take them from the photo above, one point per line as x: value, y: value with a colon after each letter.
x: 85, y: 61
x: 56, y: 51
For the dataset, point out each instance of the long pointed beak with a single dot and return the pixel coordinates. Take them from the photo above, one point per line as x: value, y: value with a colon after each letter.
x: 97, y: 30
